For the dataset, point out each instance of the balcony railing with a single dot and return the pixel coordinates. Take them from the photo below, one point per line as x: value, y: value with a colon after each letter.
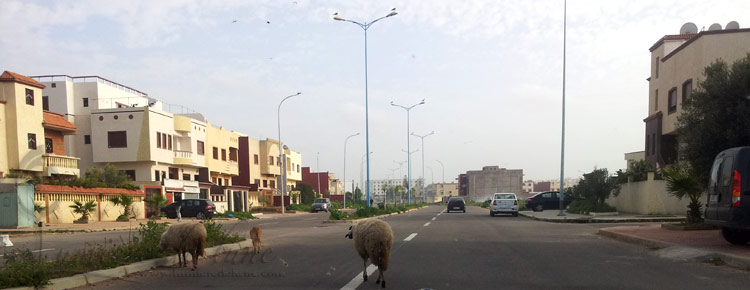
x: 183, y: 154
x: 58, y: 164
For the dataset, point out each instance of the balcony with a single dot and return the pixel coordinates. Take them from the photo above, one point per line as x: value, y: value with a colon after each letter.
x: 61, y: 165
x: 183, y: 157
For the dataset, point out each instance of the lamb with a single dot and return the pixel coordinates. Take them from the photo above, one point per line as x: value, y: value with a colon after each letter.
x: 185, y: 238
x: 255, y: 235
x: 373, y: 239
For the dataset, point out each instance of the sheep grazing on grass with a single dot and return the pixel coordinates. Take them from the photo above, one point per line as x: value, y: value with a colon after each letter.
x: 185, y: 238
x: 255, y: 235
x: 373, y: 239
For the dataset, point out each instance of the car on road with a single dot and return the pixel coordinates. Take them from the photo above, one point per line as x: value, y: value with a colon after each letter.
x: 456, y: 204
x: 504, y: 203
x: 197, y: 208
x: 547, y: 200
x: 728, y: 205
x: 321, y: 204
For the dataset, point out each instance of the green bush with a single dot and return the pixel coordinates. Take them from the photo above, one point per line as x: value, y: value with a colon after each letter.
x: 336, y: 205
x: 217, y: 236
x: 338, y: 215
x: 241, y: 215
x: 299, y: 207
x: 582, y: 206
x: 23, y: 268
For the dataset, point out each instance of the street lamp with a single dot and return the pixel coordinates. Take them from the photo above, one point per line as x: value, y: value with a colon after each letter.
x: 364, y: 27
x: 562, y: 143
x: 346, y: 140
x: 361, y: 178
x: 317, y: 158
x: 408, y: 171
x: 282, y: 176
x: 423, y: 178
x: 442, y: 186
x: 408, y: 146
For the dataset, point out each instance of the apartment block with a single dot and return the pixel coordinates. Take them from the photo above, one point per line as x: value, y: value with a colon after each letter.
x: 259, y: 169
x: 440, y: 192
x: 481, y: 184
x: 324, y: 183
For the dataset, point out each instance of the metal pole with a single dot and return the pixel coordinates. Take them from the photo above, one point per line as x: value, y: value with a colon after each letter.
x: 562, y: 143
x: 344, y: 179
x: 408, y: 157
x: 318, y: 164
x: 282, y: 173
x: 423, y: 177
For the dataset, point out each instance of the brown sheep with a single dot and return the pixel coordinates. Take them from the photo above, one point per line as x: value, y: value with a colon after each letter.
x: 256, y: 235
x: 185, y: 238
x: 373, y: 239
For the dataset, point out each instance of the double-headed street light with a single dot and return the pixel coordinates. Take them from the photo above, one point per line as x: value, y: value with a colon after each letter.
x: 282, y: 175
x: 408, y: 171
x: 408, y: 147
x: 346, y: 140
x: 364, y: 27
x: 423, y: 178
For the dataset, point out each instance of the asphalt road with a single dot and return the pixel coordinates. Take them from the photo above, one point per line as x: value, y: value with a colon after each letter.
x: 453, y: 251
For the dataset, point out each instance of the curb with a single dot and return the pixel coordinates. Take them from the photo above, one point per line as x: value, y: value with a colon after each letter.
x: 122, y: 271
x: 734, y: 261
x: 367, y: 218
x: 585, y: 220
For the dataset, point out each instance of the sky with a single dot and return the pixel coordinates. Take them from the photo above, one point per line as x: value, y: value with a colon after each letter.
x: 490, y: 72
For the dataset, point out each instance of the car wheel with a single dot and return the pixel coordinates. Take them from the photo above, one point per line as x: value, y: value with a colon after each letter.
x: 735, y: 237
x: 515, y: 214
x: 538, y: 207
x: 464, y: 211
x: 492, y: 213
x: 200, y: 216
x: 447, y: 211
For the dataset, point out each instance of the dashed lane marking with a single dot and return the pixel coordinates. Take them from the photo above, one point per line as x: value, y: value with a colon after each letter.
x: 427, y: 224
x: 434, y: 218
x: 354, y: 283
x: 268, y: 223
x: 410, y: 237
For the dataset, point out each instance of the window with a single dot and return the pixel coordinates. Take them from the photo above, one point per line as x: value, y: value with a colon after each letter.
x: 297, y: 167
x: 197, y: 177
x: 220, y: 181
x: 216, y: 153
x: 169, y: 138
x: 265, y: 183
x: 648, y: 142
x: 54, y: 85
x: 653, y: 143
x: 257, y: 182
x: 85, y: 102
x: 130, y: 174
x: 86, y: 139
x: 687, y: 90
x: 45, y: 103
x: 32, y: 141
x: 156, y: 175
x: 233, y: 154
x: 29, y: 97
x: 200, y: 149
x: 273, y: 183
x: 270, y: 160
x: 224, y: 154
x: 656, y: 101
x: 255, y: 158
x: 656, y: 66
x: 117, y: 139
x: 163, y: 141
x: 672, y: 101
x: 158, y: 140
x: 48, y: 145
x: 173, y: 173
x: 185, y: 176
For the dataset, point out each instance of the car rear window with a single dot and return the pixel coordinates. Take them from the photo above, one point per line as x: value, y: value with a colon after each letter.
x: 320, y: 200
x: 505, y: 196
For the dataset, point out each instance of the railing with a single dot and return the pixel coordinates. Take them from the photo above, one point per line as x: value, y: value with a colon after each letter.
x: 60, y: 161
x: 183, y: 154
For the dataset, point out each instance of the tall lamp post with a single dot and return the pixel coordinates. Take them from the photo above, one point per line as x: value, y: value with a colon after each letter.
x: 408, y: 146
x: 282, y: 176
x: 346, y: 140
x: 562, y: 143
x: 361, y: 164
x: 317, y: 158
x: 364, y: 27
x: 408, y: 172
x: 423, y: 178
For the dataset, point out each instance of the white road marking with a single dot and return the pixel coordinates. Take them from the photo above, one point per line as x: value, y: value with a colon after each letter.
x: 309, y: 219
x: 268, y: 223
x: 354, y: 283
x: 434, y: 218
x: 410, y: 237
x: 37, y: 251
x: 427, y: 224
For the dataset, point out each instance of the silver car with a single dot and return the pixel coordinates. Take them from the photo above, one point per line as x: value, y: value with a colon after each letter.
x: 321, y: 204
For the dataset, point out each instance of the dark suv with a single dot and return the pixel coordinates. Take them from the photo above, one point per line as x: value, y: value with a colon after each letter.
x: 198, y: 208
x: 547, y: 200
x: 456, y: 204
x: 728, y: 203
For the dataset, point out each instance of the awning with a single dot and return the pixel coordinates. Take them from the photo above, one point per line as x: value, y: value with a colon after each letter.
x: 180, y: 189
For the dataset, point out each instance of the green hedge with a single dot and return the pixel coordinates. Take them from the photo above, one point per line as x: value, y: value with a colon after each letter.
x: 582, y: 206
x: 364, y: 212
x: 238, y: 214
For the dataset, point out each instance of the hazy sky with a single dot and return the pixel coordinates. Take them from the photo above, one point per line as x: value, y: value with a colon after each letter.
x: 490, y: 71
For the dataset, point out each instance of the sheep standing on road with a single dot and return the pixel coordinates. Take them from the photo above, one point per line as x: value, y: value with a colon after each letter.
x: 373, y: 239
x: 185, y: 238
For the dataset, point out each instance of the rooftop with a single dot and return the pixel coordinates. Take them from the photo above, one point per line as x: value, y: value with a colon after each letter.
x: 14, y: 77
x: 56, y: 121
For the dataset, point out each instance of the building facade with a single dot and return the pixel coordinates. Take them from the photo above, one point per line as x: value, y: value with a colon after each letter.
x: 492, y: 179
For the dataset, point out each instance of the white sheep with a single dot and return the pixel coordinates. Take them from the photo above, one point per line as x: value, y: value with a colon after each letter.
x: 373, y: 239
x: 185, y: 238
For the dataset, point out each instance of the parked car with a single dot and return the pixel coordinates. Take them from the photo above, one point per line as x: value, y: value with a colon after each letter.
x: 728, y: 191
x: 456, y: 204
x: 321, y: 204
x: 504, y: 203
x: 547, y: 200
x: 198, y: 208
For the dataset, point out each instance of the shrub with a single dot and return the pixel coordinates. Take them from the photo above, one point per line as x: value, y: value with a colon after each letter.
x: 83, y: 208
x: 336, y: 205
x: 241, y: 215
x: 299, y: 207
x: 217, y: 236
x: 581, y: 206
x: 338, y: 215
x: 22, y: 268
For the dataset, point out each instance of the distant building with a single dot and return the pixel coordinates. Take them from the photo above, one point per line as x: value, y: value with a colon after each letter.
x: 541, y: 186
x: 491, y: 179
x: 438, y: 192
x: 324, y: 183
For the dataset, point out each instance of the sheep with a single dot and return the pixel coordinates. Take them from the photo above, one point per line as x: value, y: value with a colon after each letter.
x: 185, y: 238
x: 373, y: 239
x: 255, y: 235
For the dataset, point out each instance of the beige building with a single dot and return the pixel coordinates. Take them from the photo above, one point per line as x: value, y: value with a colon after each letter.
x: 440, y: 192
x: 259, y: 168
x: 32, y: 140
x: 223, y: 167
x: 677, y: 65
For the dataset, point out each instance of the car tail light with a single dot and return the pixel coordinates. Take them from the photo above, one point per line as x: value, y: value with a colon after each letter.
x: 515, y: 202
x: 494, y: 202
x: 209, y: 207
x: 736, y: 187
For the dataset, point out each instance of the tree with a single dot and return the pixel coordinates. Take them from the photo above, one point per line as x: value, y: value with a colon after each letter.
x: 83, y: 209
x: 682, y: 181
x: 716, y: 116
x: 39, y: 209
x: 126, y: 201
x: 307, y: 195
x: 596, y: 186
x: 156, y: 202
x: 357, y: 194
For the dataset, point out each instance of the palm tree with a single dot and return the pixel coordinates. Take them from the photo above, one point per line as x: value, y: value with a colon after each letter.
x: 39, y: 209
x: 126, y: 201
x: 83, y: 209
x: 156, y: 202
x: 681, y: 182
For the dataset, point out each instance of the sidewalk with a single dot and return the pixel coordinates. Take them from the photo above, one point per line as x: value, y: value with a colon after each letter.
x: 551, y: 216
x: 701, y: 246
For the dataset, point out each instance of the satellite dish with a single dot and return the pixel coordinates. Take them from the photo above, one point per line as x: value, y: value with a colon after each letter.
x: 714, y: 27
x: 688, y: 28
x: 732, y: 25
